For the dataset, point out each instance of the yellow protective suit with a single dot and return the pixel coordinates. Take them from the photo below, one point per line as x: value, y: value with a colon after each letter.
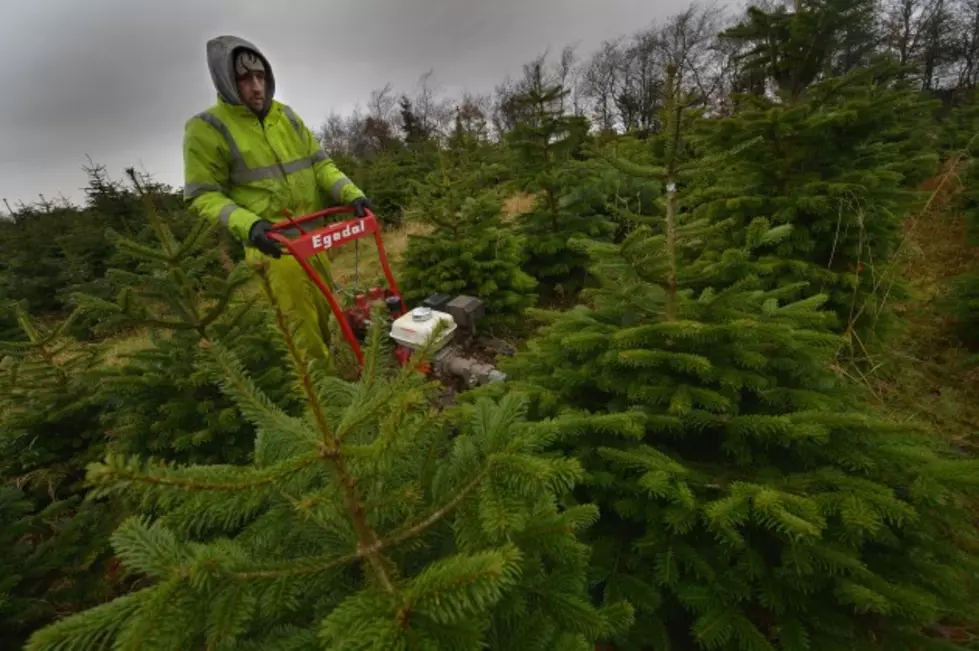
x: 241, y: 166
x: 302, y: 302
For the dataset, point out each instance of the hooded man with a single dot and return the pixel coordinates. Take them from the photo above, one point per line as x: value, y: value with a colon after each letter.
x: 247, y: 159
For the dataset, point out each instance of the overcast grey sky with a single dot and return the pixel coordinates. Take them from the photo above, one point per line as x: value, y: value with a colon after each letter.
x: 117, y: 79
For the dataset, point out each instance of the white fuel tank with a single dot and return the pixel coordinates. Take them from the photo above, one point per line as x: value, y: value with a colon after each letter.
x: 413, y: 328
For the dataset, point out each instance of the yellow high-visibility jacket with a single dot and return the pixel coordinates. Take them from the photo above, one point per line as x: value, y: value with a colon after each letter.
x: 240, y: 166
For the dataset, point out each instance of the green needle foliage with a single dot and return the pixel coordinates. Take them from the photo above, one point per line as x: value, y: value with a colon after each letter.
x: 468, y: 250
x: 544, y: 144
x: 964, y: 299
x: 57, y: 557
x: 162, y: 399
x: 368, y: 521
x: 840, y: 165
x: 47, y: 405
x: 748, y: 501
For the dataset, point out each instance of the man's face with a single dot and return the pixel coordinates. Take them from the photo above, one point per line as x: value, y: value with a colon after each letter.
x: 251, y: 89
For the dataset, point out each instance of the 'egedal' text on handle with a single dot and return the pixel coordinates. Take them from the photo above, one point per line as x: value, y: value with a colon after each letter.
x: 326, y: 241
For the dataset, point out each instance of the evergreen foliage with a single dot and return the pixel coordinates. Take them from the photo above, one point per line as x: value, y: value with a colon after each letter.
x: 958, y: 124
x: 162, y: 399
x: 680, y: 441
x: 14, y: 527
x: 964, y: 299
x: 58, y: 553
x: 389, y: 177
x: 367, y: 522
x: 748, y: 500
x: 51, y: 250
x: 788, y: 51
x: 597, y: 190
x: 45, y: 390
x: 468, y: 250
x: 544, y: 144
x: 840, y: 167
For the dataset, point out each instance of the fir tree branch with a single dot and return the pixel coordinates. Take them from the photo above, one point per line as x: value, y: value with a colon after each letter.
x: 93, y: 628
x: 361, y: 412
x: 404, y: 534
x: 305, y: 378
x: 368, y: 542
x: 311, y: 565
x: 319, y: 564
x: 254, y: 404
x: 118, y: 470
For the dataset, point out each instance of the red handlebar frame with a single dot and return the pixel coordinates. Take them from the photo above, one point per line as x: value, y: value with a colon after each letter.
x: 310, y: 243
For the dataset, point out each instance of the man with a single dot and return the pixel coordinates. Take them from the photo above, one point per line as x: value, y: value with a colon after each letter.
x: 248, y: 158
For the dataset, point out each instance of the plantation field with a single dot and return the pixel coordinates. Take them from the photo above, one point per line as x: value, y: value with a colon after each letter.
x: 738, y: 256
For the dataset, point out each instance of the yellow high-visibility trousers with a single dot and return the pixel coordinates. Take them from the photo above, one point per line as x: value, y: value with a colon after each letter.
x: 306, y: 310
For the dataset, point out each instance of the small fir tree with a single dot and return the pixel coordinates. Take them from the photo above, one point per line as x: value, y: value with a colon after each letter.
x: 468, y: 249
x: 470, y: 135
x: 370, y: 521
x: 788, y: 51
x: 59, y: 557
x: 959, y: 123
x: 544, y: 143
x: 840, y: 165
x: 748, y: 500
x: 161, y: 399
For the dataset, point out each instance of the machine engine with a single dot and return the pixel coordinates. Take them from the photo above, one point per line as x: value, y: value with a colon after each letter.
x: 412, y: 329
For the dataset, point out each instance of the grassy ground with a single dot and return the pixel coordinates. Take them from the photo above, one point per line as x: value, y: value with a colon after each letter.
x: 922, y: 377
x: 360, y: 260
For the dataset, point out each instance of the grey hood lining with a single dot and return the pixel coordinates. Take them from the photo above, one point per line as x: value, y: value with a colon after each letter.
x: 221, y: 65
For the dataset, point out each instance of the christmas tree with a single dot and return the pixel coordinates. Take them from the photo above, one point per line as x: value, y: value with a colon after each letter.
x: 58, y: 558
x: 959, y: 123
x: 468, y: 249
x: 964, y: 299
x: 369, y: 520
x: 787, y: 51
x: 841, y: 141
x: 544, y: 144
x: 839, y: 166
x: 748, y: 500
x: 162, y: 399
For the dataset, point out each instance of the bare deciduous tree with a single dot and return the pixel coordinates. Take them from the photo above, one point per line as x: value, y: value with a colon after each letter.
x: 967, y: 43
x: 434, y: 112
x: 601, y: 83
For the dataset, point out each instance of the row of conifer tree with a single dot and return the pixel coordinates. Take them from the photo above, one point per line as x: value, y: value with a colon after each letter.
x: 675, y: 460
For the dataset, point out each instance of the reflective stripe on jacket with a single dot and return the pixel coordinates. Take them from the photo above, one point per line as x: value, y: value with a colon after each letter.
x: 239, y: 169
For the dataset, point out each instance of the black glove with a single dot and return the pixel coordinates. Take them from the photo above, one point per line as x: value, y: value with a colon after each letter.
x: 258, y: 236
x: 360, y: 204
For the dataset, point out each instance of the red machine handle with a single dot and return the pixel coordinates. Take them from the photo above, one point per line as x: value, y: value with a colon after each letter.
x: 310, y: 243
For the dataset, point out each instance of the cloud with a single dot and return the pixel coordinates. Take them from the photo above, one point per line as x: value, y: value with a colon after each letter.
x: 116, y: 80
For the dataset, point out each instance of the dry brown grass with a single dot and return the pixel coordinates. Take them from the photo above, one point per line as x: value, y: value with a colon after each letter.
x: 924, y: 379
x: 364, y: 259
x: 518, y: 204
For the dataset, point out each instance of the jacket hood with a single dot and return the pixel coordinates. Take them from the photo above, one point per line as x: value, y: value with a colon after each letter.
x: 220, y: 62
